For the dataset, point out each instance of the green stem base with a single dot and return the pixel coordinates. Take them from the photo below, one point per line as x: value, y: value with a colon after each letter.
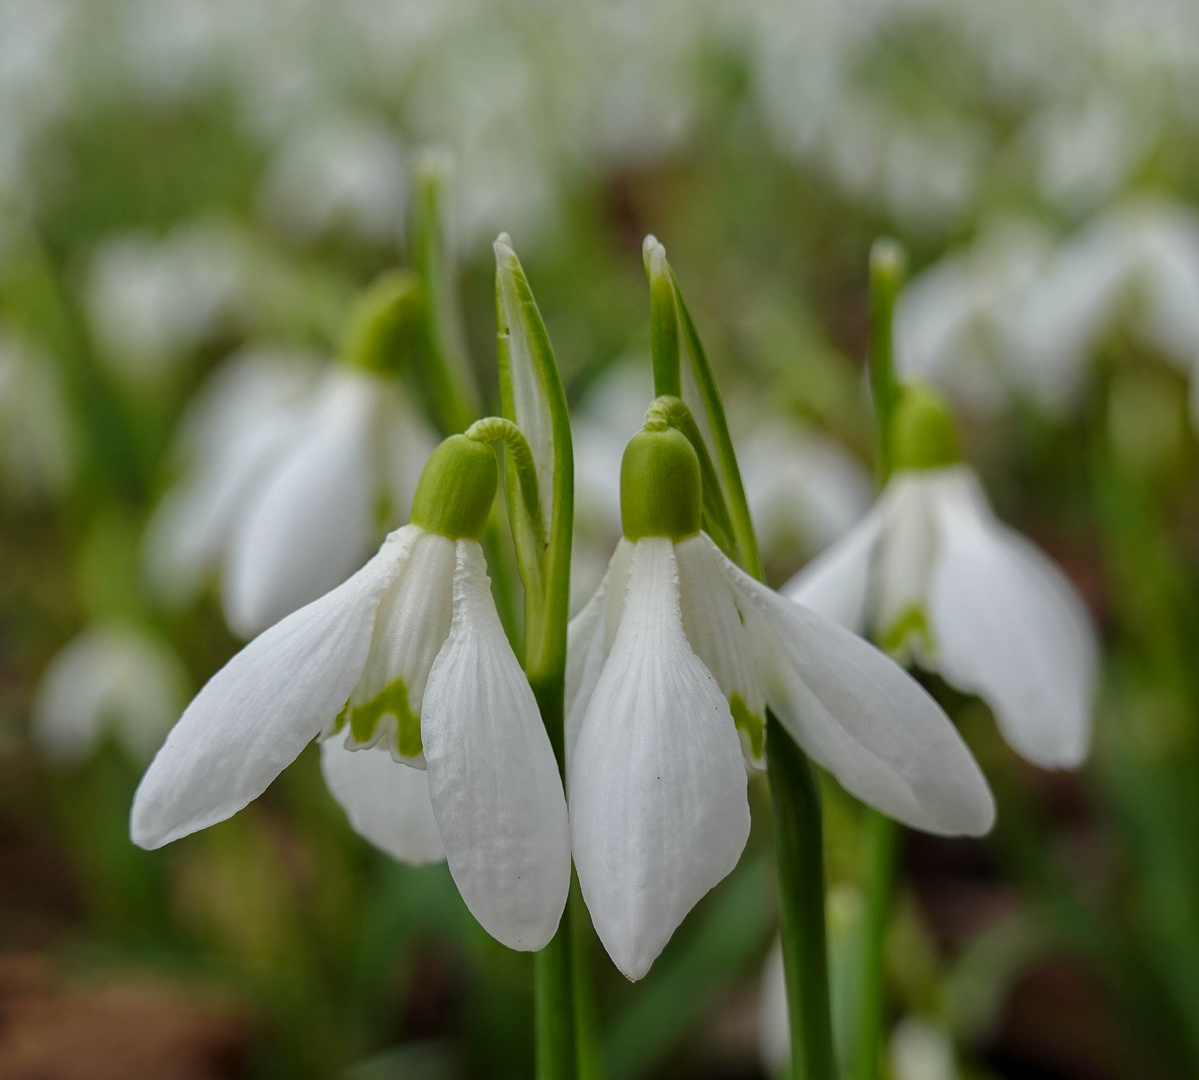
x: 799, y: 845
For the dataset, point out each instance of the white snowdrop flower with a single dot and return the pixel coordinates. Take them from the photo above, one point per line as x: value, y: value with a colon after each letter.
x: 931, y: 573
x: 343, y: 173
x: 109, y: 677
x: 671, y: 667
x: 36, y: 437
x: 408, y: 655
x: 151, y: 300
x: 289, y: 468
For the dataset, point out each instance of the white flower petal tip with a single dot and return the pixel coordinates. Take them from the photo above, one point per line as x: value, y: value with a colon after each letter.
x: 257, y: 713
x: 658, y: 805
x: 859, y: 715
x: 493, y: 780
x: 387, y: 803
x: 1011, y: 629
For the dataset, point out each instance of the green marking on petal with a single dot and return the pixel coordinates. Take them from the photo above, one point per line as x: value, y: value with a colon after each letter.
x: 911, y: 625
x: 749, y: 723
x: 393, y: 701
x: 342, y: 718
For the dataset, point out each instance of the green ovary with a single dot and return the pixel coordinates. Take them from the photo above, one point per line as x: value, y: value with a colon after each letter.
x: 910, y: 626
x: 752, y: 725
x: 393, y: 701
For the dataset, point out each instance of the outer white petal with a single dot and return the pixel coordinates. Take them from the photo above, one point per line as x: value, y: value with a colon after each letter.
x: 493, y: 779
x: 715, y: 631
x: 255, y: 715
x: 1009, y: 627
x: 386, y: 802
x: 836, y: 583
x: 861, y: 716
x: 111, y: 675
x: 589, y: 640
x: 312, y: 524
x: 657, y: 788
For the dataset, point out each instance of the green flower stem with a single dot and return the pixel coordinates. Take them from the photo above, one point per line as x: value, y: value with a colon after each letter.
x: 798, y: 829
x: 888, y: 267
x: 881, y: 836
x: 799, y: 852
x: 887, y: 270
x: 535, y: 400
x: 501, y: 430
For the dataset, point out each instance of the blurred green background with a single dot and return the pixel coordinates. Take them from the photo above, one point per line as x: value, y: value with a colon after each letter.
x: 180, y: 179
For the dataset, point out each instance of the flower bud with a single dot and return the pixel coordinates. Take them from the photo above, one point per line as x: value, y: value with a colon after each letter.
x: 384, y: 322
x: 660, y: 486
x: 923, y: 435
x: 456, y: 489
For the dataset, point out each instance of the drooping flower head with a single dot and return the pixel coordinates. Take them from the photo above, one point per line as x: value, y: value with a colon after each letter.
x: 672, y: 666
x: 407, y: 656
x: 288, y: 469
x: 932, y: 575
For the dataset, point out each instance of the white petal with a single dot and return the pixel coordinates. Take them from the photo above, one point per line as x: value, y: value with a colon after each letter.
x: 715, y: 631
x: 312, y: 524
x: 111, y: 675
x: 863, y: 718
x: 658, y: 808
x: 835, y: 584
x: 256, y: 714
x: 589, y: 639
x: 1009, y: 627
x: 386, y: 802
x: 493, y: 779
x: 411, y: 627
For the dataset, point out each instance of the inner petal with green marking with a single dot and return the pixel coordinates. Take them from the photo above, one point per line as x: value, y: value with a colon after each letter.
x: 386, y: 714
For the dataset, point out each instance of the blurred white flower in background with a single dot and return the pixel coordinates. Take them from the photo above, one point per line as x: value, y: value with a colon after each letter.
x: 36, y: 438
x: 290, y: 464
x: 803, y: 488
x: 932, y: 574
x: 337, y: 176
x: 111, y: 678
x: 1017, y: 312
x: 152, y: 300
x: 957, y: 324
x: 922, y: 1049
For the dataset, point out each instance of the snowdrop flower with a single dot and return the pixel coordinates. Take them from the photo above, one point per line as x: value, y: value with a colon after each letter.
x: 109, y: 677
x: 408, y: 655
x: 671, y: 667
x: 151, y: 300
x: 932, y: 574
x: 289, y: 467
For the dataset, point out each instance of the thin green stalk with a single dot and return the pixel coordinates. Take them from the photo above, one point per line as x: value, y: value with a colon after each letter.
x: 799, y: 852
x: 888, y: 267
x: 887, y: 271
x: 799, y: 838
x: 881, y: 842
x: 535, y: 401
